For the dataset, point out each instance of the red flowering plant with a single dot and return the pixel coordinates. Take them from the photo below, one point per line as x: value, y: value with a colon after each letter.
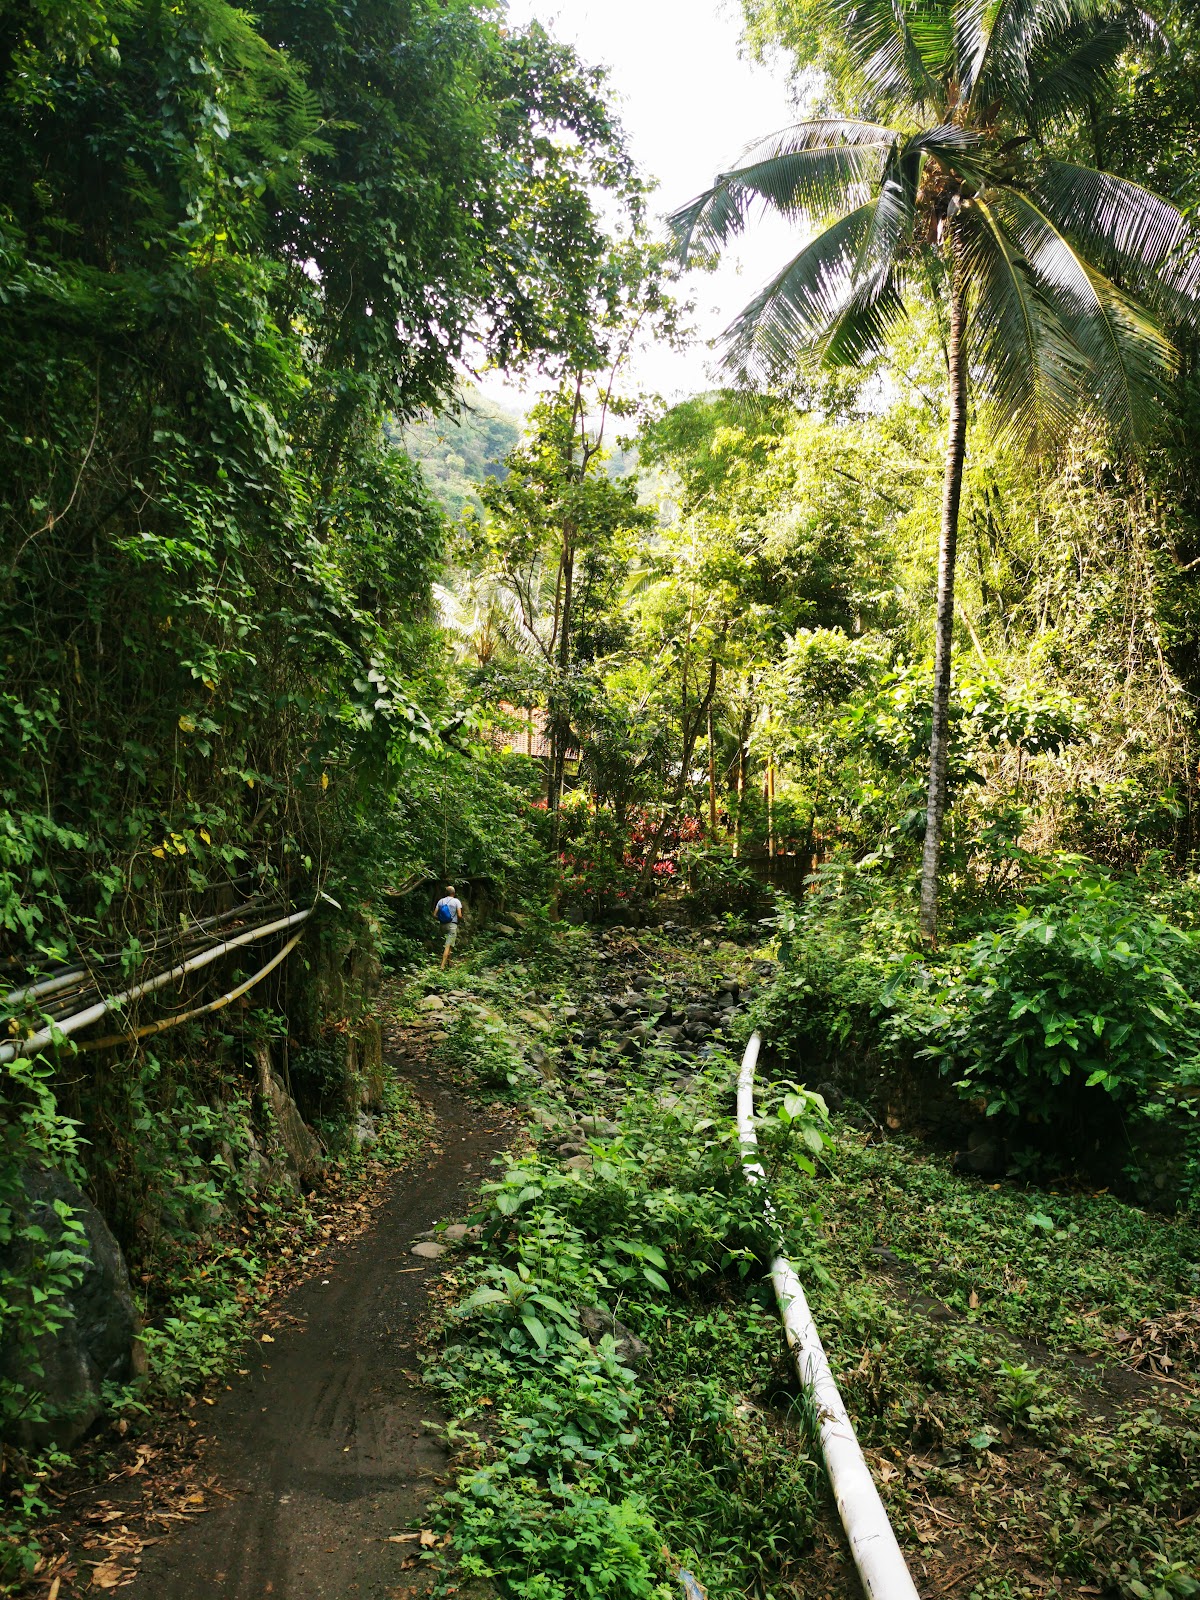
x: 680, y: 834
x: 597, y: 873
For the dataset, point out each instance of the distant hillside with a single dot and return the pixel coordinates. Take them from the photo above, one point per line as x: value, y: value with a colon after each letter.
x: 456, y: 453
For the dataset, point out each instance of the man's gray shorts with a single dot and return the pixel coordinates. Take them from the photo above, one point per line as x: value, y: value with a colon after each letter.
x: 451, y: 933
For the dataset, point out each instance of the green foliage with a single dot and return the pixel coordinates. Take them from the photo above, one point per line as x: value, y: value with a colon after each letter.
x: 587, y: 1465
x: 841, y: 947
x: 37, y: 1270
x: 482, y: 1043
x: 1080, y: 990
x: 984, y: 1356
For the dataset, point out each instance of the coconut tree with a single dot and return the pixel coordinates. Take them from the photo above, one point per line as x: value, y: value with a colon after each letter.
x: 1058, y: 282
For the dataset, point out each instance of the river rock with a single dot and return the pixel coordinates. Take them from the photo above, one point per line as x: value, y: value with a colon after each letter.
x: 428, y: 1251
x: 600, y: 1126
x: 433, y: 1002
x: 97, y: 1342
x: 550, y: 1120
x: 578, y: 1164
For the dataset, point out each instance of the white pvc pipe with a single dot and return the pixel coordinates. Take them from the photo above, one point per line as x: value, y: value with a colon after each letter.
x: 881, y: 1565
x: 13, y: 1049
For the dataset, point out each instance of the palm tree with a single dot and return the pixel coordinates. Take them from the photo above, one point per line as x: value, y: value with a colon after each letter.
x: 1058, y: 280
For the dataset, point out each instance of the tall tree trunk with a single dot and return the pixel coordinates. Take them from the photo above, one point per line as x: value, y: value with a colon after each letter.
x: 691, y: 734
x: 956, y: 446
x: 560, y: 718
x: 743, y: 739
x: 712, y: 779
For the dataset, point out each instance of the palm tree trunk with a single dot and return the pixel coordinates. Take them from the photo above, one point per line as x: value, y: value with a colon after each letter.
x: 956, y: 446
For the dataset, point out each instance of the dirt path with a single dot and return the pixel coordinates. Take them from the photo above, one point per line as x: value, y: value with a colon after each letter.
x: 322, y: 1446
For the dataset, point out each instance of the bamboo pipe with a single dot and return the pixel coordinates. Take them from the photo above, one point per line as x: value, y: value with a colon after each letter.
x: 81, y: 976
x: 164, y: 1023
x: 14, y: 1049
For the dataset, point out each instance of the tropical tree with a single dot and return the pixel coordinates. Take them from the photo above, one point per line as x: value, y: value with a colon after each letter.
x: 560, y: 529
x: 1058, y: 281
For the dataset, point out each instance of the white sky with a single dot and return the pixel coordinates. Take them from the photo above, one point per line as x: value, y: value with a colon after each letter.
x: 689, y: 103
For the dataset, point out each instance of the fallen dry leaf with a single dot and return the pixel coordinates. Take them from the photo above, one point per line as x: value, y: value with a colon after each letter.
x: 107, y: 1575
x: 1161, y: 1341
x: 402, y: 1538
x: 428, y: 1538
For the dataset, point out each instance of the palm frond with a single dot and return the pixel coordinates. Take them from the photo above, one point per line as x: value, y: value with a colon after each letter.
x: 1132, y: 234
x: 1026, y: 363
x: 971, y: 21
x: 875, y: 304
x: 1016, y: 32
x: 950, y: 142
x: 1129, y: 356
x: 801, y: 308
x: 807, y: 170
x: 903, y: 48
x: 1080, y: 65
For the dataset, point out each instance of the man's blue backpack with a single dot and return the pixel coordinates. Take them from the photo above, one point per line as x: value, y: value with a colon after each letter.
x: 445, y: 911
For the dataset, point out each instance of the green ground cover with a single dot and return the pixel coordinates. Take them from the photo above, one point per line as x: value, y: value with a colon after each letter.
x: 992, y: 1340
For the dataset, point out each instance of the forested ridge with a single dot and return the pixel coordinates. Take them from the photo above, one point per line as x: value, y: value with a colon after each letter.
x: 851, y: 701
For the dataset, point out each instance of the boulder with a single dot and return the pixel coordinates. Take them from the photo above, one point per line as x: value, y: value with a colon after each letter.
x: 300, y: 1143
x: 97, y: 1343
x: 433, y: 1002
x: 596, y: 1321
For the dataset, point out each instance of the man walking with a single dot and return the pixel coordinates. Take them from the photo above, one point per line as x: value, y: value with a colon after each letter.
x: 449, y: 912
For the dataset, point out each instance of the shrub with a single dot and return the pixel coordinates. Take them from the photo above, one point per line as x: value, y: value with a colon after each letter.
x: 1083, y: 989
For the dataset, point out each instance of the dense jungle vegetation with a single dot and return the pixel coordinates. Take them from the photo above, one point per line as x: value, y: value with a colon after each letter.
x: 864, y: 684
